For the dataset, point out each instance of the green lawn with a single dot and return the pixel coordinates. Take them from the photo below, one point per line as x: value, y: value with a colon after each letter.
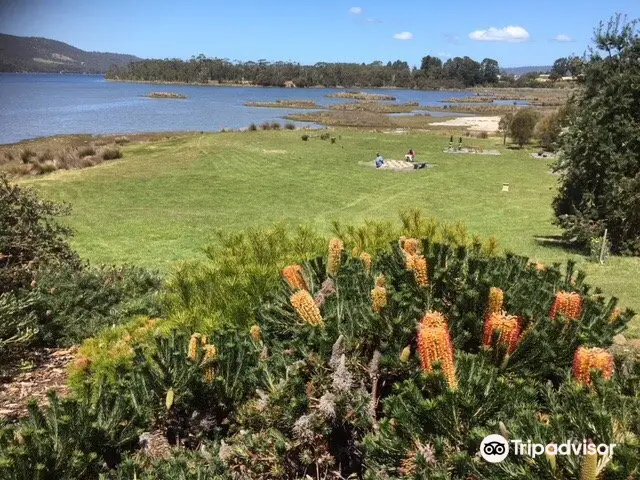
x: 163, y: 200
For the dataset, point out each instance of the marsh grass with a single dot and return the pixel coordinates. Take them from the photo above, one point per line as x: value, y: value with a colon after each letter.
x: 361, y: 96
x: 285, y: 104
x: 86, y: 151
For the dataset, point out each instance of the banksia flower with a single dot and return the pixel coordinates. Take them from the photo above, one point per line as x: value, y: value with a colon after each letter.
x: 210, y: 353
x: 409, y: 464
x: 381, y: 281
x: 616, y: 314
x: 589, y: 468
x: 256, y: 333
x: 509, y: 329
x: 495, y: 302
x: 434, y: 345
x: 433, y: 319
x: 569, y: 304
x: 335, y: 256
x: 193, y: 347
x: 405, y: 354
x: 378, y: 298
x: 366, y: 260
x: 587, y: 359
x: 293, y: 275
x: 411, y: 246
x: 82, y: 363
x: 420, y: 270
x: 306, y: 308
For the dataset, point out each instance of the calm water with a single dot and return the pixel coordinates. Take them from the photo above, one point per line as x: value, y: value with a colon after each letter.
x: 33, y: 105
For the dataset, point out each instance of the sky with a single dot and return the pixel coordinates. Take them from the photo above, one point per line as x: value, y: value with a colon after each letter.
x: 514, y: 32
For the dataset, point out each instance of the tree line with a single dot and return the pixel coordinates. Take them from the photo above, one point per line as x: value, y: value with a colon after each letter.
x: 433, y: 73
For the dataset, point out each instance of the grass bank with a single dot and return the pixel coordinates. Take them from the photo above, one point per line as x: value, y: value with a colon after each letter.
x: 162, y: 202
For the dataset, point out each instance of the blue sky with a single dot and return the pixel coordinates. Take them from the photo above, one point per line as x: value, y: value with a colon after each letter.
x: 514, y: 32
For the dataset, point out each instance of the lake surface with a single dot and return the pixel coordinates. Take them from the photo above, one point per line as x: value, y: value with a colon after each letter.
x: 37, y: 105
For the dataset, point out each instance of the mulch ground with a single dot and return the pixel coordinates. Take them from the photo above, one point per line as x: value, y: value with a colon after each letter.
x: 31, y: 377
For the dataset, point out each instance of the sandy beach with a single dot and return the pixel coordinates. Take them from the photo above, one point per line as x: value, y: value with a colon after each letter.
x: 478, y: 124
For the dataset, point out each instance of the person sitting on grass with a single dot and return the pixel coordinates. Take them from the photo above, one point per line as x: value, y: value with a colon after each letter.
x: 410, y: 156
x: 379, y: 161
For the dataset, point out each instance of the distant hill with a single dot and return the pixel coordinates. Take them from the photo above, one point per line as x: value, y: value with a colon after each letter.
x: 525, y: 70
x: 36, y: 54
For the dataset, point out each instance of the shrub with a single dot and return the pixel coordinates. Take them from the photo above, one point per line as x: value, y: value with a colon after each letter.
x: 26, y: 154
x: 305, y: 137
x: 86, y: 151
x: 121, y: 140
x: 600, y: 151
x: 522, y: 126
x: 46, y: 156
x: 110, y: 153
x: 275, y: 126
x: 483, y: 134
x: 8, y: 156
x: 324, y: 136
x: 290, y: 126
x: 333, y: 139
x: 252, y: 127
x: 18, y: 325
x: 265, y: 126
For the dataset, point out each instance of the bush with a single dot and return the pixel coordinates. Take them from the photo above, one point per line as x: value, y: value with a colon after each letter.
x: 600, y: 157
x: 26, y: 154
x: 305, y: 137
x: 265, y: 126
x: 253, y: 127
x: 86, y: 151
x: 121, y: 140
x: 483, y: 134
x: 324, y: 136
x: 46, y: 156
x: 18, y: 325
x: 110, y: 153
x: 290, y: 126
x: 522, y: 126
x: 275, y: 126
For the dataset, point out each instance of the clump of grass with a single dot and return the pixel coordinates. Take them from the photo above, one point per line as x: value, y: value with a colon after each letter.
x: 110, y: 153
x: 333, y: 139
x: 483, y: 134
x: 165, y: 95
x: 86, y: 151
x: 289, y: 126
x: 26, y: 154
x: 253, y: 127
x: 40, y: 168
x: 265, y: 126
x: 121, y: 140
x: 305, y: 137
x: 324, y: 136
x: 275, y: 126
x: 8, y: 156
x: 46, y: 156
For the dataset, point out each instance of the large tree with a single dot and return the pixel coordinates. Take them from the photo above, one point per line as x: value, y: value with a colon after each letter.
x: 600, y: 161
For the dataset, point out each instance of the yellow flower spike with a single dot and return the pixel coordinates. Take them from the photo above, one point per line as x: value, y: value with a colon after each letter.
x: 193, y: 347
x: 366, y: 260
x: 420, y: 270
x: 405, y: 354
x: 496, y: 300
x: 256, y: 333
x: 434, y: 345
x: 587, y: 359
x: 293, y: 275
x: 381, y: 281
x: 589, y: 467
x: 615, y: 315
x: 378, y: 298
x: 410, y: 261
x: 335, y: 256
x: 306, y: 308
x: 210, y: 353
x: 567, y: 303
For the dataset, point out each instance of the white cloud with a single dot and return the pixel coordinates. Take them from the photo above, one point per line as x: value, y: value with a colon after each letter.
x: 355, y: 10
x: 561, y: 37
x: 403, y: 36
x: 444, y: 55
x: 506, y: 34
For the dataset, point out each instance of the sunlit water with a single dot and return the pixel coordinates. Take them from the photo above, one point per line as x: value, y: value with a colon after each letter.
x: 36, y: 105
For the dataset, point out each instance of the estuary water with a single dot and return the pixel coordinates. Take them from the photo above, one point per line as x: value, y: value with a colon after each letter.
x: 38, y: 105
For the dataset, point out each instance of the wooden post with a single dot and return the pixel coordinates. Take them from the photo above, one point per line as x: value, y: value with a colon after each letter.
x: 604, y: 243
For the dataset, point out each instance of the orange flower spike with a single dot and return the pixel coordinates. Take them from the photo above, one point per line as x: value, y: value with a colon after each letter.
x: 569, y: 304
x: 366, y: 260
x: 433, y: 319
x: 411, y: 246
x: 293, y: 275
x: 509, y: 329
x: 420, y: 270
x: 378, y: 298
x: 587, y: 359
x: 434, y: 345
x: 616, y: 314
x: 335, y: 256
x: 306, y: 308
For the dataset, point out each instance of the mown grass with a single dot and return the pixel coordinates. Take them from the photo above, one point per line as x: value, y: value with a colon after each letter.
x: 163, y: 201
